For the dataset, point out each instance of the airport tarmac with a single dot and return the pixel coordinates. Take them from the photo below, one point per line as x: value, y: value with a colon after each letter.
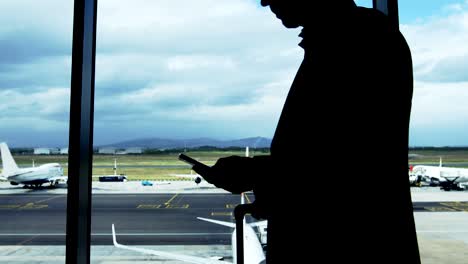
x: 140, y: 219
x: 442, y: 224
x: 441, y: 220
x: 108, y: 254
x: 136, y: 187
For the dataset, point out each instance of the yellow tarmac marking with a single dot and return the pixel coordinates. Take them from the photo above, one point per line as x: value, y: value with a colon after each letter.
x: 26, y: 241
x: 247, y: 198
x: 51, y: 198
x: 221, y: 213
x: 170, y: 200
x: 170, y: 206
x: 33, y: 206
x: 9, y: 206
x: 160, y: 206
x: 230, y: 206
x: 24, y: 207
x: 149, y: 206
x: 459, y: 206
x: 440, y: 209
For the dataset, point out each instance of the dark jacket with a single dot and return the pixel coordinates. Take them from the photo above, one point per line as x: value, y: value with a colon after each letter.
x: 338, y: 187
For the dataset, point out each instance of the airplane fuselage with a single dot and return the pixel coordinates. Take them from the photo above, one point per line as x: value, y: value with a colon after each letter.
x: 441, y: 174
x: 253, y: 251
x: 35, y: 175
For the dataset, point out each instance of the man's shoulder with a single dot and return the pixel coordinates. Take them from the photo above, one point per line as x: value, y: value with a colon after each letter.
x: 370, y: 18
x: 373, y: 27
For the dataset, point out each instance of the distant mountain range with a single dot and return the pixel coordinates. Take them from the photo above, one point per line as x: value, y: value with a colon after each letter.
x: 163, y: 143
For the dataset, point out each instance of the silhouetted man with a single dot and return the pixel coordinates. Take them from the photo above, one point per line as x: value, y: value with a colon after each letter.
x: 335, y: 188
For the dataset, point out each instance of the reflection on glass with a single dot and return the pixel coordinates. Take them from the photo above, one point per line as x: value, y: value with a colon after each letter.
x: 35, y: 68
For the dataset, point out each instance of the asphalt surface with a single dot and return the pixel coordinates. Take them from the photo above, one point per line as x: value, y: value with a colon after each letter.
x: 33, y: 224
x: 451, y: 206
x: 140, y: 219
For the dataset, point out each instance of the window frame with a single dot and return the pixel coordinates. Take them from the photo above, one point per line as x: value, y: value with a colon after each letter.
x: 80, y: 158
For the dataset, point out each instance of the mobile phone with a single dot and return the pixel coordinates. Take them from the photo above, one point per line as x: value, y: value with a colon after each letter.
x: 190, y: 160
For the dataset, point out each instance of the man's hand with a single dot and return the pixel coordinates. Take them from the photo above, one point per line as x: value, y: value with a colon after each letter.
x: 233, y: 174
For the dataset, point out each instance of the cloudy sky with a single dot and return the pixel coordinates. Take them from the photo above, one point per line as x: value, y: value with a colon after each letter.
x: 221, y: 69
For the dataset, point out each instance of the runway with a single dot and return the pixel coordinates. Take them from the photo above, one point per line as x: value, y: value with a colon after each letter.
x: 33, y: 223
x: 140, y: 219
x: 450, y: 206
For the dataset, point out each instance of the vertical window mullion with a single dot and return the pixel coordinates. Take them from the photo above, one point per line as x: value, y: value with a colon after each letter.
x: 388, y: 7
x: 78, y: 238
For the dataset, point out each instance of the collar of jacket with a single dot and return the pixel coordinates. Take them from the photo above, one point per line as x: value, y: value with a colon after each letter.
x: 330, y: 23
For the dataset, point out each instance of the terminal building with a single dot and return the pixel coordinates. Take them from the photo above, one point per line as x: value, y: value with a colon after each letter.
x: 42, y: 151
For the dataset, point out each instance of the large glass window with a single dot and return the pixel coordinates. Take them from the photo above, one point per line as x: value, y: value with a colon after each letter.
x: 207, y: 78
x: 437, y: 32
x: 35, y: 67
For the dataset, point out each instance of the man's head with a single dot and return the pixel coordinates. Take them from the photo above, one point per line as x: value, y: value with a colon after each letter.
x: 296, y: 13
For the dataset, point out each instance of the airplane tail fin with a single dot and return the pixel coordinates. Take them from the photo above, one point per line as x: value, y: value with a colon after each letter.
x: 8, y: 163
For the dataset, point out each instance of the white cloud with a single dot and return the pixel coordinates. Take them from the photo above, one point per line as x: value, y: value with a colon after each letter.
x: 158, y: 63
x: 46, y: 102
x: 439, y: 104
x: 204, y: 67
x: 437, y: 45
x: 52, y: 16
x: 440, y: 54
x: 33, y: 124
x: 34, y: 118
x: 193, y: 62
x: 456, y: 7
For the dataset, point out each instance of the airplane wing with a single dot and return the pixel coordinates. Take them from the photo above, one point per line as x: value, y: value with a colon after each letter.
x: 186, y: 258
x: 223, y: 223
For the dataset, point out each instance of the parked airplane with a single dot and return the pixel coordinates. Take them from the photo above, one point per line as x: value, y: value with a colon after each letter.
x: 196, y: 177
x: 253, y: 251
x: 448, y: 178
x: 51, y: 173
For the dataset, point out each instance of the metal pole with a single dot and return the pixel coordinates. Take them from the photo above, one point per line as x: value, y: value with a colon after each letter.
x: 239, y: 213
x: 239, y: 235
x: 78, y: 237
